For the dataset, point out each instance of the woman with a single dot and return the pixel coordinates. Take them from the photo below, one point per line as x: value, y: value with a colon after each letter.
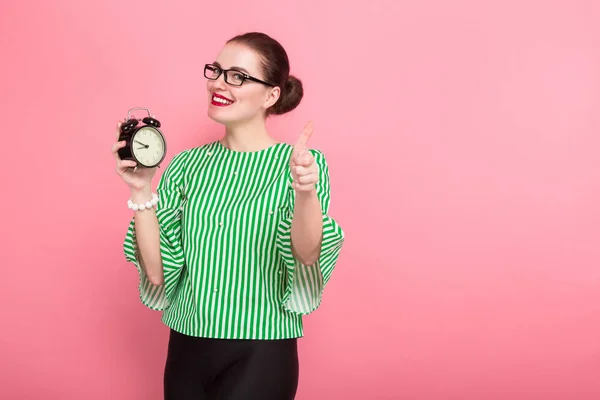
x: 240, y: 244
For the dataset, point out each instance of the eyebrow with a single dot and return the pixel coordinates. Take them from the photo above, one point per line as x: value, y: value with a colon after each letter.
x: 236, y: 68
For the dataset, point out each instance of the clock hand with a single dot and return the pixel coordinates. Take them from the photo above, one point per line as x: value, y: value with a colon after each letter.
x: 141, y: 148
x: 145, y: 145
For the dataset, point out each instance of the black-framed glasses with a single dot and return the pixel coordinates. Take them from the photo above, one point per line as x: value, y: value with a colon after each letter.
x: 233, y: 77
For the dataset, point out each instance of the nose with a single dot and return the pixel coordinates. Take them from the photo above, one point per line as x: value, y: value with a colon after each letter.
x: 219, y: 83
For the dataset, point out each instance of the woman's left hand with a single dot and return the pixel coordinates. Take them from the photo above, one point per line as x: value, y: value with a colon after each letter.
x: 305, y: 173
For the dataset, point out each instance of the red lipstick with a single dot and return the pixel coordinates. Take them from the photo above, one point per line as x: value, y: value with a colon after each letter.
x: 220, y: 101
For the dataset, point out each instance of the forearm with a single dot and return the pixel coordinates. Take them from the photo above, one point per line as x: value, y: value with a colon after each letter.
x: 148, y: 237
x: 307, y: 228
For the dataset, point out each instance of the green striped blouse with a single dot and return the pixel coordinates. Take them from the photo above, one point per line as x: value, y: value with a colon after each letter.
x: 225, y: 220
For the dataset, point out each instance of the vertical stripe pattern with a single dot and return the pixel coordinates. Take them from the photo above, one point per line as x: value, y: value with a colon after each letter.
x: 225, y: 221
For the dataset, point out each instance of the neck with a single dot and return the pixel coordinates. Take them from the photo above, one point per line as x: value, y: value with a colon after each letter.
x: 248, y: 136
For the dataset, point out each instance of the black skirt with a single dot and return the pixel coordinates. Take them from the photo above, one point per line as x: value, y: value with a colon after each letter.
x: 237, y: 369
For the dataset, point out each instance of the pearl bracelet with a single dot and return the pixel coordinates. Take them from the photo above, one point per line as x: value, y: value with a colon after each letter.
x: 143, y: 206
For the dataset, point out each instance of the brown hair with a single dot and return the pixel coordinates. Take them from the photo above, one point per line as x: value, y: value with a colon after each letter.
x: 276, y: 68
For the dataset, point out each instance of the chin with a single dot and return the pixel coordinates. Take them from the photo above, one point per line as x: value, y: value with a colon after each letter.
x: 216, y: 115
x: 226, y: 117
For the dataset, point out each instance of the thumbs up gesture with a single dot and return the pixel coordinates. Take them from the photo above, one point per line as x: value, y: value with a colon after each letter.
x: 305, y: 173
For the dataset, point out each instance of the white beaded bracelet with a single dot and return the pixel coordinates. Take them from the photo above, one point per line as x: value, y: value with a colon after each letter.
x: 143, y: 206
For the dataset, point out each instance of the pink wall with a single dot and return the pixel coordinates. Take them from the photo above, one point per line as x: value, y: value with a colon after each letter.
x: 464, y: 148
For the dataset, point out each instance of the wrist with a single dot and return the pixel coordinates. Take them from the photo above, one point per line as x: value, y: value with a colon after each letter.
x: 141, y: 195
x: 306, y: 195
x: 147, y: 205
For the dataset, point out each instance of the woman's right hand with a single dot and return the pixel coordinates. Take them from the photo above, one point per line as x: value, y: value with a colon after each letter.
x: 138, y: 180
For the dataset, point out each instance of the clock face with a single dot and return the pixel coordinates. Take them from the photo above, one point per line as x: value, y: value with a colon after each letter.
x: 148, y: 146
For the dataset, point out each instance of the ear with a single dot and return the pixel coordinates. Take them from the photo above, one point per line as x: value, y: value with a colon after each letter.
x: 272, y: 97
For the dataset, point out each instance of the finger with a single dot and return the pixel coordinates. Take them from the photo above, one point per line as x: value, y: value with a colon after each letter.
x: 305, y: 159
x: 119, y: 129
x: 124, y: 164
x: 306, y: 134
x: 115, y: 149
x: 118, y: 145
x: 308, y: 179
x: 128, y: 164
x: 303, y: 188
x: 301, y: 171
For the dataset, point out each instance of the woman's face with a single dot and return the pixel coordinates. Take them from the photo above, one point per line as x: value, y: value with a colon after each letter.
x: 229, y: 104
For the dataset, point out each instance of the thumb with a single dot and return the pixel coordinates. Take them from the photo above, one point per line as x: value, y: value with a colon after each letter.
x: 305, y: 135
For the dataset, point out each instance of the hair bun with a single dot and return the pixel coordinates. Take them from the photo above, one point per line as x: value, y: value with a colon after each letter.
x: 290, y: 96
x: 291, y: 83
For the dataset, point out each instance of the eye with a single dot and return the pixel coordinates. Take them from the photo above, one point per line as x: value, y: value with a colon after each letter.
x: 212, y: 71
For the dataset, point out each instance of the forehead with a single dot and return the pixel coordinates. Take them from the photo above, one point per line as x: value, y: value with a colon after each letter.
x: 237, y: 55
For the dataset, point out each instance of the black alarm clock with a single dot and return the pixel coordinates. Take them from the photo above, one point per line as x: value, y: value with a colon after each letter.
x: 145, y: 143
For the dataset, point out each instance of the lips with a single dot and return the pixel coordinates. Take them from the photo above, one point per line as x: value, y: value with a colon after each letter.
x: 220, y: 101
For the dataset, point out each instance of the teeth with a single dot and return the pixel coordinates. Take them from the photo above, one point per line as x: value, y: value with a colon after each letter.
x: 222, y: 101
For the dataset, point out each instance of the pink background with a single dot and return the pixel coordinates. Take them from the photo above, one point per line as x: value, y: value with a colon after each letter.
x: 463, y: 139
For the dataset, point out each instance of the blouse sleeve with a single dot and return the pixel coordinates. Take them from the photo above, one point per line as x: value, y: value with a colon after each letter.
x: 305, y: 283
x: 171, y: 193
